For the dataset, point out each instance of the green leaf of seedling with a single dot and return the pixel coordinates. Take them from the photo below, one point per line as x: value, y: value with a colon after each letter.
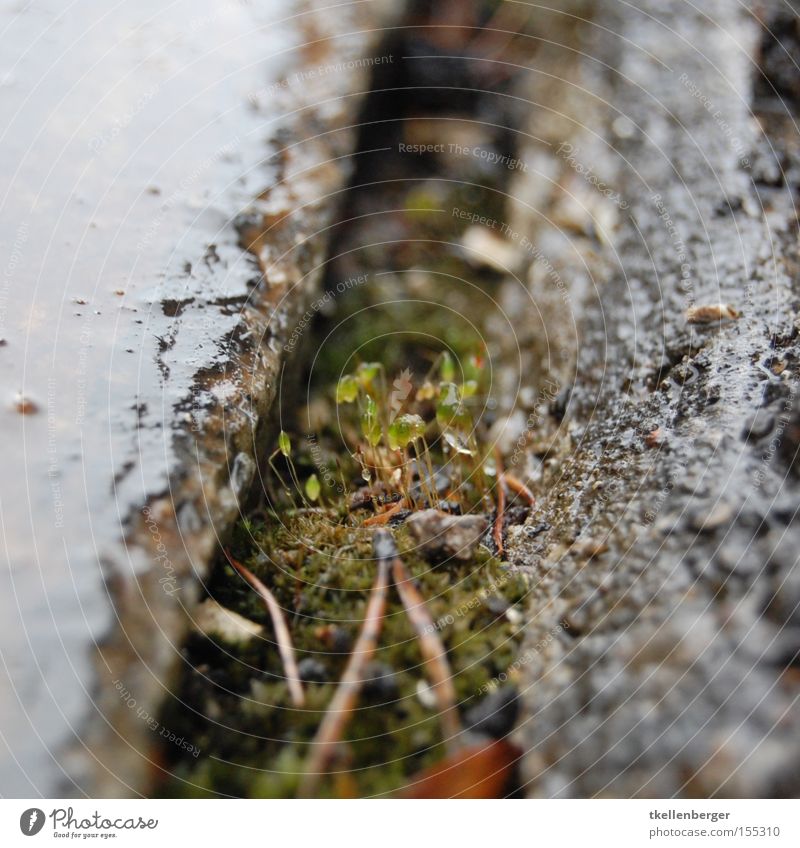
x: 346, y: 389
x: 447, y: 368
x: 370, y: 426
x: 469, y: 389
x: 405, y: 429
x: 450, y: 412
x: 284, y: 443
x: 448, y: 403
x: 312, y: 488
x: 366, y: 373
x: 417, y: 426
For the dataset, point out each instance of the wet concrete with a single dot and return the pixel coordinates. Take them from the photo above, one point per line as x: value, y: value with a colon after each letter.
x: 661, y: 643
x: 661, y: 657
x: 170, y: 174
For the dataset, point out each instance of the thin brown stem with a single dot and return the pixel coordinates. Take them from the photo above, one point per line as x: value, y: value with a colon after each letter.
x: 287, y: 489
x: 497, y: 533
x: 433, y: 495
x: 282, y: 635
x: 406, y: 484
x: 323, y: 748
x: 433, y: 651
x: 518, y: 487
x: 296, y: 480
x: 386, y: 515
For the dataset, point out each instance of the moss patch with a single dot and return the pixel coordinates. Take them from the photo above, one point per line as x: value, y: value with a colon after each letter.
x: 421, y: 298
x: 234, y: 704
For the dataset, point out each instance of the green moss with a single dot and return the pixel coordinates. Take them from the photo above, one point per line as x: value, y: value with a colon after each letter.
x: 236, y: 708
x: 231, y: 701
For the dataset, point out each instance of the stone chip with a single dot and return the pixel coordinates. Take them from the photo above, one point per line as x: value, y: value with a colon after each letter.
x: 440, y: 536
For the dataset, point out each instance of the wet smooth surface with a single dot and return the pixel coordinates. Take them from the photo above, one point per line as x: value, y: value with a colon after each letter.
x: 133, y: 136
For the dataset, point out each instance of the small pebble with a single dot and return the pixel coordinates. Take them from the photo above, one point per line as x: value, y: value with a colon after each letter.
x: 758, y: 425
x: 496, y: 714
x: 590, y: 548
x: 440, y: 536
x: 711, y: 312
x: 485, y: 248
x: 623, y: 127
x: 654, y: 438
x: 719, y: 515
x: 214, y: 620
x: 533, y: 530
x: 426, y: 695
x: 380, y: 682
x: 515, y: 616
x: 496, y: 606
x: 312, y: 671
x: 24, y: 405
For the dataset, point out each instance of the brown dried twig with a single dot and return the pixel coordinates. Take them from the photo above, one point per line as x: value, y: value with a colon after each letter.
x: 323, y: 748
x: 518, y: 487
x: 282, y: 635
x: 386, y: 515
x: 433, y: 651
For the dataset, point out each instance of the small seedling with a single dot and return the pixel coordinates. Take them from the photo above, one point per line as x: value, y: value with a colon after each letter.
x: 313, y: 488
x: 395, y: 450
x: 285, y: 449
x: 414, y: 446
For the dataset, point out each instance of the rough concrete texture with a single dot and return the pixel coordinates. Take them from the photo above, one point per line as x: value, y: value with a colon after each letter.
x: 661, y: 656
x: 175, y: 170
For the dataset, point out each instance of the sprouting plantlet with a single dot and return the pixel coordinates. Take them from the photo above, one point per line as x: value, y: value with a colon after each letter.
x: 347, y: 389
x: 392, y: 448
x: 450, y: 411
x: 370, y: 425
x: 285, y: 448
x: 313, y: 488
x: 405, y: 429
x: 367, y: 373
x: 447, y: 369
x: 412, y: 443
x: 409, y: 429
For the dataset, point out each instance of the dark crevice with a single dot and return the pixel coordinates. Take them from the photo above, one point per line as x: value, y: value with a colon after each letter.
x: 431, y: 103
